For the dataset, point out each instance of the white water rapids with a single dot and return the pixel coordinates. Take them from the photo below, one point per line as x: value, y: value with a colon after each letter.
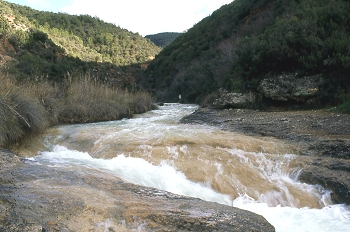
x: 155, y: 150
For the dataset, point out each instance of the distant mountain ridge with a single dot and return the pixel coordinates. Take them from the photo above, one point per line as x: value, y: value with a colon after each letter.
x: 163, y: 39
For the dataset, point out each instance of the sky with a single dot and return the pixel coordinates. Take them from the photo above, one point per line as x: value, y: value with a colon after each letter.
x: 145, y: 17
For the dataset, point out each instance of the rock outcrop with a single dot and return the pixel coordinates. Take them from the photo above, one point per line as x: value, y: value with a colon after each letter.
x: 228, y: 99
x: 42, y: 198
x: 286, y: 87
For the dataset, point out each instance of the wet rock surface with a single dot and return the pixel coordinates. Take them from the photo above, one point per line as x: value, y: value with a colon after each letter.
x: 322, y: 138
x: 34, y: 197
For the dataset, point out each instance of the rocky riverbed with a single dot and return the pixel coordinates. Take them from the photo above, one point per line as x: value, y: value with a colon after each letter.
x: 322, y: 139
x: 38, y: 198
x: 34, y: 197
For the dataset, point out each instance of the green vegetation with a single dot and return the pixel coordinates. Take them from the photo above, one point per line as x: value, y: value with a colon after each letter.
x: 52, y: 45
x: 344, y: 107
x: 58, y: 68
x: 244, y: 41
x: 163, y: 39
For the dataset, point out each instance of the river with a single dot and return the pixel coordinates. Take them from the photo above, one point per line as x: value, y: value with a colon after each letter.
x: 155, y: 150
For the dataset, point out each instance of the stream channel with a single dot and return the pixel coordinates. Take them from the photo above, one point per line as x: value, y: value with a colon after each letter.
x: 258, y: 174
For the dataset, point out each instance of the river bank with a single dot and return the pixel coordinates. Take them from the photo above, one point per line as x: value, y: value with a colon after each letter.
x: 322, y: 139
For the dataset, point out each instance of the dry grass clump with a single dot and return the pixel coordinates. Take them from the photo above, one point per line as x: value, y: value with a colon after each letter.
x: 21, y: 114
x: 28, y: 109
x: 89, y: 101
x: 49, y: 96
x: 142, y: 102
x: 9, y: 125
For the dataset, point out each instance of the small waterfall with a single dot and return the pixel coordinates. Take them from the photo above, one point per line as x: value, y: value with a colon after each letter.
x: 256, y: 174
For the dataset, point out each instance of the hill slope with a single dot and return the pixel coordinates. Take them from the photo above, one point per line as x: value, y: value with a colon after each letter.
x: 163, y: 39
x: 243, y: 41
x: 50, y: 44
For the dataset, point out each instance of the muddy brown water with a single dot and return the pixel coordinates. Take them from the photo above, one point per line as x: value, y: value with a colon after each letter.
x: 259, y: 174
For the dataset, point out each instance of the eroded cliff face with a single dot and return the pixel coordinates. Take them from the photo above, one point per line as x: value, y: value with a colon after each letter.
x: 42, y: 198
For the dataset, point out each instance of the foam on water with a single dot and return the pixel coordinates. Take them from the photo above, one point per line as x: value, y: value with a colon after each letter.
x: 136, y: 171
x: 287, y: 219
x: 166, y: 177
x: 154, y: 150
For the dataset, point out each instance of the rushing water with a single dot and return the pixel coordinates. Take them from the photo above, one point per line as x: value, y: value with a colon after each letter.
x: 155, y: 150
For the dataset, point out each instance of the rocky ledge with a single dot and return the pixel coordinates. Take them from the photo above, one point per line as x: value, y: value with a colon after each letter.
x: 41, y: 198
x: 323, y: 139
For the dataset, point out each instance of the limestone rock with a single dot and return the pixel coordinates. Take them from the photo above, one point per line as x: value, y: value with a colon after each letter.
x: 234, y: 99
x: 285, y: 87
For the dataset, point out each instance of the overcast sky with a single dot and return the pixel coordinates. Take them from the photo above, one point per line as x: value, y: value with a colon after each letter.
x: 143, y: 16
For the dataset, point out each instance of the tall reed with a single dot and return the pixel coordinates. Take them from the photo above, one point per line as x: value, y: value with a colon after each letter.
x: 88, y: 101
x: 29, y: 108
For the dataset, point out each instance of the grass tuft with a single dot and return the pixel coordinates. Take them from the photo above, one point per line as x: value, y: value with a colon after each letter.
x: 20, y: 115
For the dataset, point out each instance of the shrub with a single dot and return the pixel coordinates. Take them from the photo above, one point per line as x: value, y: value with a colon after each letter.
x: 344, y: 108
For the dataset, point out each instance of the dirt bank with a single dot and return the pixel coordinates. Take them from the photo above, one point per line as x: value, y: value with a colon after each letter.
x: 323, y: 139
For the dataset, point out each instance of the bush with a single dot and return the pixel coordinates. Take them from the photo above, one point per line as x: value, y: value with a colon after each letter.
x: 344, y: 108
x: 38, y: 36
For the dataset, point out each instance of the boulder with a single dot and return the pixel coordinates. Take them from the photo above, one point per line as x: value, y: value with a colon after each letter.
x: 234, y: 99
x: 286, y: 87
x: 334, y: 178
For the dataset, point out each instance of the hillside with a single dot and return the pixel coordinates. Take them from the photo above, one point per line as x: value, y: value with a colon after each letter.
x: 58, y: 69
x: 163, y: 39
x: 242, y: 42
x: 54, y: 44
